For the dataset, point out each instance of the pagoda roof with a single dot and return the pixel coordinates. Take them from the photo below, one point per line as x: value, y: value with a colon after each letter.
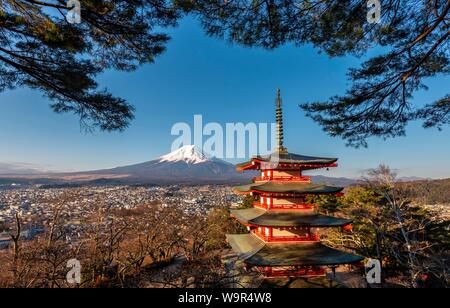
x: 256, y: 252
x: 288, y: 187
x: 288, y: 158
x: 286, y: 218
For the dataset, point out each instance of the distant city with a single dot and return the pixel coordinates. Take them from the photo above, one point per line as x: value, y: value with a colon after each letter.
x: 34, y: 204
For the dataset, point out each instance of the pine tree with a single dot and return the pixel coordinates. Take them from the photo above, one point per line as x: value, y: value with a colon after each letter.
x: 414, y: 34
x: 41, y: 49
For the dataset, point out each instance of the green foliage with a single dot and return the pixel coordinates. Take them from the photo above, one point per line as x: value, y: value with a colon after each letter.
x: 326, y: 203
x: 248, y: 201
x: 362, y: 196
x: 438, y: 232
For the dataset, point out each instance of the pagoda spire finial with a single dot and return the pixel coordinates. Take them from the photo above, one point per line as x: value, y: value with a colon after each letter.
x: 279, y: 117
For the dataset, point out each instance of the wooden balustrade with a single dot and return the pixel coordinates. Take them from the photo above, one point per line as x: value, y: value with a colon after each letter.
x: 304, y: 179
x: 305, y: 271
x: 297, y: 238
x: 285, y: 206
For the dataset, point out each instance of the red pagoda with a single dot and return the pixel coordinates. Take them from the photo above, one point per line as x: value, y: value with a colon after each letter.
x: 283, y: 240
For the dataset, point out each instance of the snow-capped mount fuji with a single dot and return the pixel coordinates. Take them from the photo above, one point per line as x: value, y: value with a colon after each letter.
x: 186, y: 164
x: 188, y: 153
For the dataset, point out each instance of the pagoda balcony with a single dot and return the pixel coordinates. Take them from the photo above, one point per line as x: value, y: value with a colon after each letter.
x: 301, y: 206
x: 293, y: 272
x: 300, y: 179
x: 288, y: 239
x: 283, y: 239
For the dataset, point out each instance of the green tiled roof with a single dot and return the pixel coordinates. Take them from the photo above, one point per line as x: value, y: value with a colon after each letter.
x: 245, y: 246
x: 286, y: 218
x: 288, y: 187
x: 255, y: 252
x: 292, y: 159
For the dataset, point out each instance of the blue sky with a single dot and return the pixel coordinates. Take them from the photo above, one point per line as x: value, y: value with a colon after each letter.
x: 224, y: 83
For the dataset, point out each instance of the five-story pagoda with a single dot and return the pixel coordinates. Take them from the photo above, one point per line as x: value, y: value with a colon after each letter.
x: 282, y: 239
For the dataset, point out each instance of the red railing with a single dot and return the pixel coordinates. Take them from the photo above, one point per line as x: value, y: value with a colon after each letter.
x: 304, y: 179
x: 281, y: 239
x: 302, y: 206
x: 274, y: 272
x: 305, y: 238
x: 286, y: 206
x: 272, y: 165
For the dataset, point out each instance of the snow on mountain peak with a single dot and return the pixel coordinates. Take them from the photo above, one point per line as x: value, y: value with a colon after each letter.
x: 188, y: 153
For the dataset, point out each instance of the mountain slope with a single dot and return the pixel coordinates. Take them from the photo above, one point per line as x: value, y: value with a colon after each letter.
x: 186, y: 164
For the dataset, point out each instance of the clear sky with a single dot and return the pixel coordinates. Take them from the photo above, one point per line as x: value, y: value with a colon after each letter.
x: 224, y: 83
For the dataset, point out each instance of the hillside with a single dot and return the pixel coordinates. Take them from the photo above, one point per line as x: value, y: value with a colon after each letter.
x: 429, y: 191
